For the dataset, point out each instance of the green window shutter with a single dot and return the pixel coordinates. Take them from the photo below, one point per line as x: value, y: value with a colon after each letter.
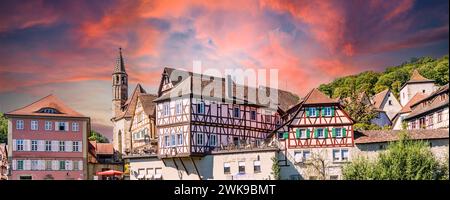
x: 332, y: 111
x: 315, y: 133
x: 297, y: 133
x: 307, y: 112
x: 285, y: 135
x: 322, y: 111
x: 333, y: 132
x: 318, y: 110
x: 308, y: 133
x: 325, y: 132
x: 344, y: 132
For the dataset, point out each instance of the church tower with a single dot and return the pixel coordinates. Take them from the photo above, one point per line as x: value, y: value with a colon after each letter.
x: 119, y: 86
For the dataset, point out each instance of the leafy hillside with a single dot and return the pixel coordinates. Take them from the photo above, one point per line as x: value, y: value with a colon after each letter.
x: 392, y: 78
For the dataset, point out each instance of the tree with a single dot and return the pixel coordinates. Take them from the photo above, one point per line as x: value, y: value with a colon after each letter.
x: 275, y: 168
x: 96, y: 136
x: 358, y: 110
x: 3, y: 129
x: 317, y: 165
x: 405, y: 159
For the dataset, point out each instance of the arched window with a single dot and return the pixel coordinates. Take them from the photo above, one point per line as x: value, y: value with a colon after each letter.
x: 49, y: 110
x: 124, y: 80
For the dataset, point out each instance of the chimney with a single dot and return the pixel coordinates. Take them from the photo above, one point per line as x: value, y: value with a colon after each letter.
x: 229, y: 87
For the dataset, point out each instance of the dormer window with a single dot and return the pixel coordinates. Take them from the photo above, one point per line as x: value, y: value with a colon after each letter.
x: 49, y: 110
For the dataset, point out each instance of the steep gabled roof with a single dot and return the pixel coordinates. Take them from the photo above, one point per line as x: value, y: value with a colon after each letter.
x: 130, y: 105
x: 147, y: 103
x: 51, y: 102
x: 120, y: 64
x: 317, y: 97
x: 378, y: 99
x: 416, y: 78
x: 416, y: 98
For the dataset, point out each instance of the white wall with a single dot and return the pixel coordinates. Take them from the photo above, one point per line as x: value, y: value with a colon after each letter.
x: 411, y: 89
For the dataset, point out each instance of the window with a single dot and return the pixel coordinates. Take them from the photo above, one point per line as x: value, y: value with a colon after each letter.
x: 226, y: 168
x: 256, y: 166
x: 75, y: 146
x: 201, y: 107
x: 178, y: 108
x: 34, y: 165
x: 200, y: 139
x: 212, y: 140
x: 48, y: 126
x: 166, y: 141
x: 306, y: 155
x: 180, y: 139
x: 430, y: 120
x: 62, y: 146
x: 413, y: 124
x: 320, y: 133
x: 48, y: 165
x: 390, y: 102
x: 327, y: 111
x: 300, y: 133
x: 33, y: 145
x: 253, y: 115
x: 75, y: 126
x: 312, y: 112
x: 236, y: 112
x: 61, y: 126
x: 344, y: 154
x: 19, y: 145
x: 340, y: 155
x: 334, y: 177
x: 172, y: 137
x: 62, y: 165
x: 49, y: 110
x: 19, y: 124
x: 34, y: 125
x: 423, y: 91
x: 20, y: 165
x: 75, y: 165
x: 166, y: 110
x: 439, y: 116
x: 338, y: 132
x: 241, y: 165
x: 422, y: 122
x: 268, y: 116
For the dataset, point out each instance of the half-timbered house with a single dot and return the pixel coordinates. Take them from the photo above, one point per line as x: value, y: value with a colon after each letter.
x: 319, y: 133
x: 198, y: 117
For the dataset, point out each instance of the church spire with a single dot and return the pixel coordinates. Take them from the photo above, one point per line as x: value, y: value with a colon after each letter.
x: 120, y: 66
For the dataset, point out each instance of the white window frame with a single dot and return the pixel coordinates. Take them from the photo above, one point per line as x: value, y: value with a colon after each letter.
x: 75, y: 126
x: 75, y: 146
x: 241, y: 164
x: 34, y: 125
x: 20, y: 145
x: 59, y: 165
x: 336, y: 132
x: 166, y: 109
x: 34, y: 147
x: 340, y: 153
x: 255, y: 164
x: 48, y: 145
x: 302, y: 133
x: 173, y: 140
x: 167, y: 141
x: 178, y: 108
x: 20, y: 124
x: 48, y: 125
x: 323, y: 133
x: 226, y: 165
x: 34, y: 165
x: 327, y: 111
x: 63, y: 145
x: 311, y: 109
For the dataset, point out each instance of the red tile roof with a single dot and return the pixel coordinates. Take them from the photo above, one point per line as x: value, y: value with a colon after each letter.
x: 50, y: 101
x: 416, y: 77
x: 376, y: 136
x: 317, y: 97
x: 378, y: 98
x: 416, y: 98
x: 101, y: 148
x: 430, y: 103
